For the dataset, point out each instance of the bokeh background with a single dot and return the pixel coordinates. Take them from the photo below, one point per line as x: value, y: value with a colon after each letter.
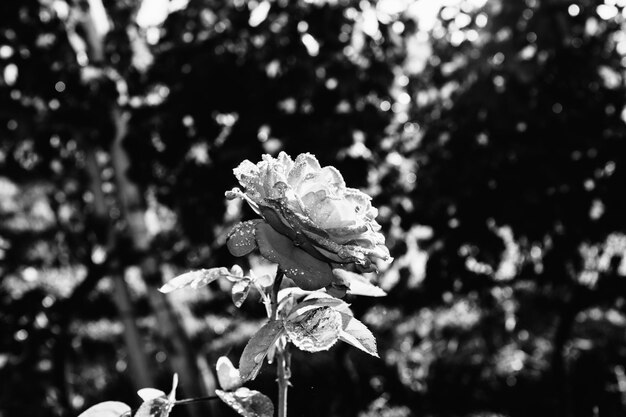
x: 490, y: 134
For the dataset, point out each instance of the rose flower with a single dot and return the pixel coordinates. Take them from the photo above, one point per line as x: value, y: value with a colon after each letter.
x: 307, y: 207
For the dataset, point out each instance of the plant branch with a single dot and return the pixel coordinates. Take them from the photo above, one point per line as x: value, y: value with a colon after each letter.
x: 284, y: 373
x: 195, y: 400
x: 282, y: 352
x: 274, y: 295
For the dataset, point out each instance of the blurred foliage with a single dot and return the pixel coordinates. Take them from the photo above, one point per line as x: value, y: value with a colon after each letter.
x: 491, y: 136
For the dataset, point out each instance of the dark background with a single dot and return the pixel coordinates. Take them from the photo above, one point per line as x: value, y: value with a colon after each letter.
x: 490, y: 134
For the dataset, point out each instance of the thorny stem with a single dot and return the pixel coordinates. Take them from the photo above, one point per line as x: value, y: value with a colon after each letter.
x: 284, y: 358
x: 274, y: 295
x: 282, y: 352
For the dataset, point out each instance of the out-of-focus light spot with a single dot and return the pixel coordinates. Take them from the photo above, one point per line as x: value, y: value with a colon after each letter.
x: 120, y: 365
x: 152, y: 13
x: 392, y: 7
x: 188, y: 121
x: 404, y: 98
x: 41, y: 320
x: 153, y: 34
x: 54, y: 104
x: 573, y: 10
x: 403, y: 80
x: 610, y: 77
x: 30, y: 274
x: 457, y: 38
x: 21, y: 335
x: 98, y: 255
x: 199, y: 153
x: 187, y: 37
x: 370, y: 23
x: 259, y: 13
x: 331, y: 83
x: 557, y: 108
x: 461, y: 20
x: 609, y: 168
x: 411, y: 127
x: 597, y: 210
x: 397, y: 27
x: 527, y: 14
x: 160, y: 356
x: 623, y: 115
x: 528, y: 52
x: 288, y: 105
x: 343, y: 107
x: 449, y: 13
x: 481, y: 20
x: 6, y: 52
x: 471, y: 35
x: 303, y: 26
x: 607, y: 12
x: 61, y: 8
x: 273, y: 68
x: 591, y: 26
x: 272, y: 146
x: 264, y: 133
x: 107, y: 187
x: 47, y: 301
x: 99, y: 16
x: 12, y: 124
x: 59, y: 86
x: 385, y: 105
x: 498, y: 81
x: 226, y: 119
x: 498, y: 58
x: 311, y: 44
x: 10, y: 74
x: 395, y: 159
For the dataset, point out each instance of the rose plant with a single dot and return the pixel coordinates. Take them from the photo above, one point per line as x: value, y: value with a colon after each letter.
x: 321, y: 234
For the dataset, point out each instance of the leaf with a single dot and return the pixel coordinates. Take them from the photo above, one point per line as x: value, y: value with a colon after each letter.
x: 306, y: 271
x: 314, y: 303
x: 236, y: 271
x: 106, y: 409
x: 315, y: 330
x: 357, y: 284
x: 172, y: 394
x: 148, y: 394
x: 241, y: 239
x: 358, y: 335
x: 227, y: 375
x: 255, y: 351
x: 265, y: 280
x: 156, y: 407
x: 194, y: 279
x: 247, y: 402
x: 240, y: 291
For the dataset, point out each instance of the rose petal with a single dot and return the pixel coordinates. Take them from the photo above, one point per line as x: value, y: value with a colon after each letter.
x: 306, y: 271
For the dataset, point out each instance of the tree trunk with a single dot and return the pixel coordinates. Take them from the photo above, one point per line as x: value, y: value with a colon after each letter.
x: 177, y: 343
x: 138, y: 362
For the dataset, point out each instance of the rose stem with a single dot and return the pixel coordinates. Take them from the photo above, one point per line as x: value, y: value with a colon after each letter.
x: 283, y: 359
